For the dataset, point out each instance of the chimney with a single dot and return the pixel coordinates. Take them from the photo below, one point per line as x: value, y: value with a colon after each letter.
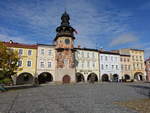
x: 101, y: 49
x: 10, y: 41
x: 79, y: 46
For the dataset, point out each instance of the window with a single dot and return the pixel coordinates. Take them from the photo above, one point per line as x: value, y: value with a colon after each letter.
x: 49, y: 64
x: 137, y: 65
x: 111, y: 58
x: 125, y: 67
x: 49, y: 52
x: 140, y: 57
x: 134, y: 66
x: 66, y: 61
x: 87, y: 55
x: 82, y: 54
x: 133, y: 57
x: 42, y: 64
x: 102, y: 66
x: 20, y: 52
x: 128, y: 60
x: 29, y: 52
x: 124, y: 59
x: 106, y: 66
x: 129, y: 67
x: 93, y: 55
x: 88, y: 64
x: 112, y: 66
x: 29, y: 63
x: 101, y: 57
x: 93, y: 64
x: 116, y: 58
x: 19, y: 63
x: 116, y: 66
x: 106, y: 58
x: 121, y: 59
x: 136, y: 58
x: 82, y: 64
x: 121, y: 66
x: 42, y: 51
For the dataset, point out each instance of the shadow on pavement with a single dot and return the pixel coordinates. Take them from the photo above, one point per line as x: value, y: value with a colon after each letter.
x: 18, y: 87
x: 143, y: 90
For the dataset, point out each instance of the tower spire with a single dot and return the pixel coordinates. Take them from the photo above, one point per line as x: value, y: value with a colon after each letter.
x: 65, y: 19
x: 65, y: 29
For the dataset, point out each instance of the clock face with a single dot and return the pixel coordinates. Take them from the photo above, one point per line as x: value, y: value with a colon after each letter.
x: 67, y: 41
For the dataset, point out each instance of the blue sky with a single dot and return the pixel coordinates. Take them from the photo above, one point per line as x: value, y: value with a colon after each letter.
x: 108, y: 24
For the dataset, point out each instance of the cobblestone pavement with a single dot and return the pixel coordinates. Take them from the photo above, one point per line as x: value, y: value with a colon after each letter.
x: 78, y: 98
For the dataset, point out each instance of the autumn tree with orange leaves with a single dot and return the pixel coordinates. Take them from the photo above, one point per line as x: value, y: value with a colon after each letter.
x: 8, y: 63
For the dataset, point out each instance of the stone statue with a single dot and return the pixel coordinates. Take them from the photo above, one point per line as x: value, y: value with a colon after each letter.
x: 65, y: 19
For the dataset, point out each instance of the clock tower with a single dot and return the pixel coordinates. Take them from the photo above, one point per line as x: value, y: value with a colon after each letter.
x: 65, y: 53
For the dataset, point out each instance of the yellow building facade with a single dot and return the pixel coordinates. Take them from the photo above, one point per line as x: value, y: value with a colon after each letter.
x: 27, y: 63
x: 125, y: 67
x: 137, y: 63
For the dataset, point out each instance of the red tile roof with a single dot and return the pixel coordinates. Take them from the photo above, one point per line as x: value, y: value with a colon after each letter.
x: 147, y: 59
x: 108, y: 52
x: 20, y: 45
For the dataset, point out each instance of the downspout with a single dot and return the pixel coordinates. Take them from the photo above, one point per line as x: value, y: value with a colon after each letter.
x: 36, y: 62
x: 99, y: 65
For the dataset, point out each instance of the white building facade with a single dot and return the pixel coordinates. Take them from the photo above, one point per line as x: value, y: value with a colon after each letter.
x: 87, y: 64
x: 109, y: 66
x: 45, y: 63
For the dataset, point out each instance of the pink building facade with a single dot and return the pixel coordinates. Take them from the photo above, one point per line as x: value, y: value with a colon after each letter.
x: 147, y: 68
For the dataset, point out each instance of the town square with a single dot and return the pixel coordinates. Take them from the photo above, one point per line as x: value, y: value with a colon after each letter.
x: 79, y: 98
x: 68, y: 63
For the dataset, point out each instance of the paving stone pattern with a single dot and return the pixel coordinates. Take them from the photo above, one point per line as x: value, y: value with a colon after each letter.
x: 79, y: 98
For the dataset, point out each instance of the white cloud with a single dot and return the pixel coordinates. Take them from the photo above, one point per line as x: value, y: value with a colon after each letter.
x: 123, y: 39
